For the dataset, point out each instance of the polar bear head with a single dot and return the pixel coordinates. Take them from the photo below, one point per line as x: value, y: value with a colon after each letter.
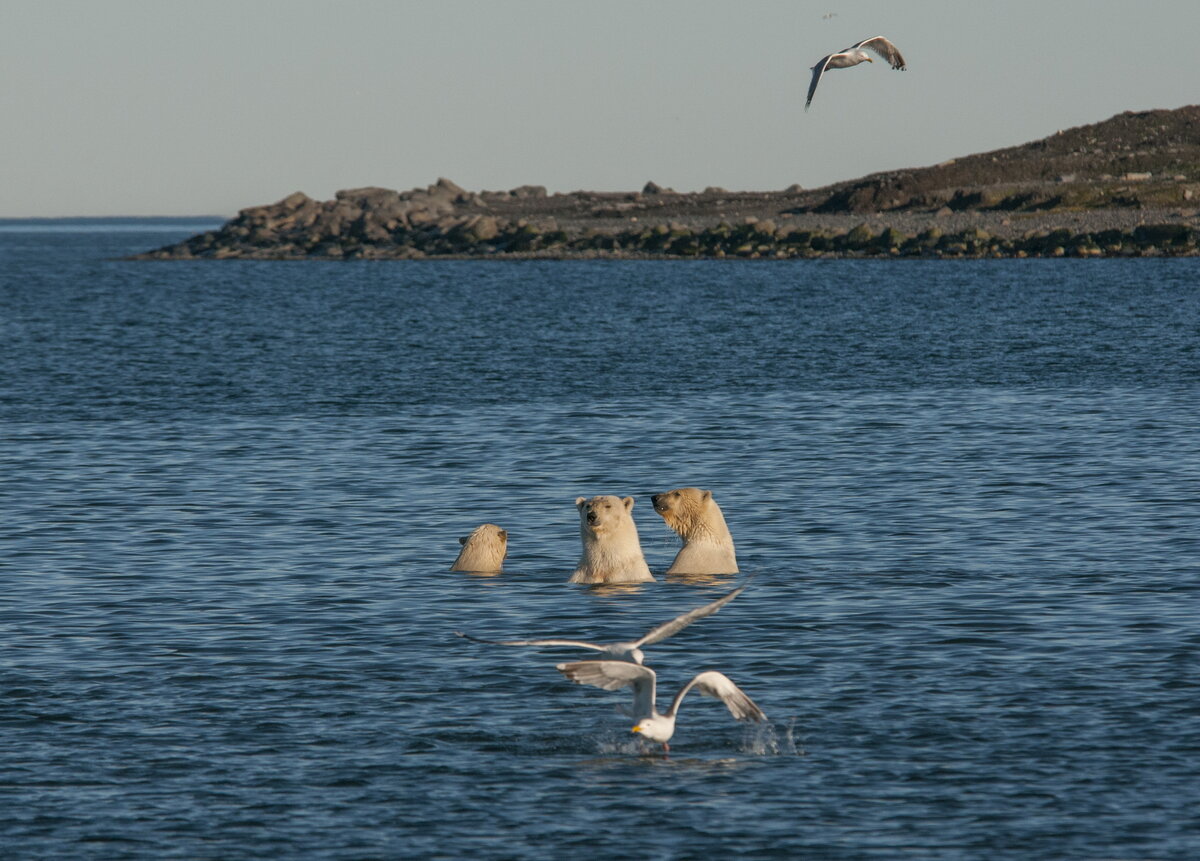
x: 688, y: 510
x: 602, y: 514
x: 483, y: 550
x: 695, y: 517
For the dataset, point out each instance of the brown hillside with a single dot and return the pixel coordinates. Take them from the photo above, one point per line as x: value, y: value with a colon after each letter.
x: 1134, y: 159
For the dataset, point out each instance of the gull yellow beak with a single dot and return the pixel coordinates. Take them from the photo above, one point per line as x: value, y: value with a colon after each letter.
x: 869, y: 60
x: 636, y: 729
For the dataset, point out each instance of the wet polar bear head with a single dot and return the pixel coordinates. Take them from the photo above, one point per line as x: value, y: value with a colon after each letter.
x: 612, y: 552
x: 483, y: 550
x: 696, y: 517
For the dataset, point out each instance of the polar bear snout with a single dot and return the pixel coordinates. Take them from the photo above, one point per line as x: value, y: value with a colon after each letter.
x: 592, y: 518
x: 659, y: 502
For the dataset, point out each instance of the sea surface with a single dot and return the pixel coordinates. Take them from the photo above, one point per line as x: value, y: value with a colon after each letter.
x: 966, y: 492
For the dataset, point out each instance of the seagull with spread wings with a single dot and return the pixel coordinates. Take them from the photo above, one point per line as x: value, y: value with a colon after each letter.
x: 852, y: 56
x: 612, y: 675
x: 628, y: 650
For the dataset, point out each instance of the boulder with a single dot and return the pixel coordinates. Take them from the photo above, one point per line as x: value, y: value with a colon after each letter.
x: 1162, y: 234
x: 890, y: 238
x: 484, y: 228
x: 859, y: 237
x: 367, y: 196
x: 445, y: 188
x: 294, y: 201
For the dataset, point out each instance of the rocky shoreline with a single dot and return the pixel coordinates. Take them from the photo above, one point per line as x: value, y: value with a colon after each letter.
x: 1126, y: 187
x: 444, y: 221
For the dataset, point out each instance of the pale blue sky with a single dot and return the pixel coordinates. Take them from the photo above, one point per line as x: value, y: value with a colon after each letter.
x: 140, y: 107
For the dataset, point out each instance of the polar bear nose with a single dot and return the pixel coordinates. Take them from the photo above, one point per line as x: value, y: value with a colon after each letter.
x: 654, y: 498
x: 591, y: 517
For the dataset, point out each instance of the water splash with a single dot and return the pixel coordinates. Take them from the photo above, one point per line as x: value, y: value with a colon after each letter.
x: 626, y: 745
x: 765, y: 739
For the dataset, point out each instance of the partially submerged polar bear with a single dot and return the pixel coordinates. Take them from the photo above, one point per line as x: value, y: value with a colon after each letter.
x: 611, y: 550
x: 483, y: 550
x: 696, y: 517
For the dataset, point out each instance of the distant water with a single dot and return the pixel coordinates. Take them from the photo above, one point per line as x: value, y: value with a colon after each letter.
x: 231, y: 492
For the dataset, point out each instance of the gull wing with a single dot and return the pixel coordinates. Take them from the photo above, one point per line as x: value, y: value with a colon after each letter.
x: 577, y: 643
x: 885, y: 49
x: 817, y: 70
x: 613, y: 675
x: 666, y: 629
x: 721, y: 687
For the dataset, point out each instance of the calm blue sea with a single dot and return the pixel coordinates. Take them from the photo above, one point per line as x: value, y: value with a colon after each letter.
x: 968, y: 492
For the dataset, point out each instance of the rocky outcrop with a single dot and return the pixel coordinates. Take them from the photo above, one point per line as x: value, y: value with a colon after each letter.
x: 377, y: 224
x: 1136, y: 176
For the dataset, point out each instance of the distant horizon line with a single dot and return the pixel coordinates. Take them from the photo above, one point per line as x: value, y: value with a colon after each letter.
x: 203, y: 217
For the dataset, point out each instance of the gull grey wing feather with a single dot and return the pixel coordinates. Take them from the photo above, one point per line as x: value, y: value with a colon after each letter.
x: 817, y: 70
x: 613, y: 675
x: 721, y: 687
x: 578, y: 643
x: 885, y: 49
x: 666, y: 629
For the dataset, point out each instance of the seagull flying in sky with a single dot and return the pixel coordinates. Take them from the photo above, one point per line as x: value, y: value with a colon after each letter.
x: 852, y: 56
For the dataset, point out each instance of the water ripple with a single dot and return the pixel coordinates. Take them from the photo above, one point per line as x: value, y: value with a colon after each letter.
x: 232, y: 495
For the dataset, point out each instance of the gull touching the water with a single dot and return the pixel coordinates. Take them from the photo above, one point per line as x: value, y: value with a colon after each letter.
x: 852, y: 56
x: 611, y: 675
x: 629, y: 650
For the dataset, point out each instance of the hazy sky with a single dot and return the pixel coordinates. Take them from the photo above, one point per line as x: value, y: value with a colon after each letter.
x: 147, y: 107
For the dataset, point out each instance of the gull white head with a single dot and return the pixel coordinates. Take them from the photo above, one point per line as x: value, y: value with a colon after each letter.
x: 623, y: 652
x: 658, y: 728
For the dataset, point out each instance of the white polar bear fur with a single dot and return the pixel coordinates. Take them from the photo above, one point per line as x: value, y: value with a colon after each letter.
x: 695, y: 516
x: 612, y: 552
x: 483, y: 550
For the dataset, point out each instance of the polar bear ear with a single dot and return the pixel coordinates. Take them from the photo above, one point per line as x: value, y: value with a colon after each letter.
x: 628, y: 503
x: 463, y: 541
x: 707, y: 494
x: 579, y: 501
